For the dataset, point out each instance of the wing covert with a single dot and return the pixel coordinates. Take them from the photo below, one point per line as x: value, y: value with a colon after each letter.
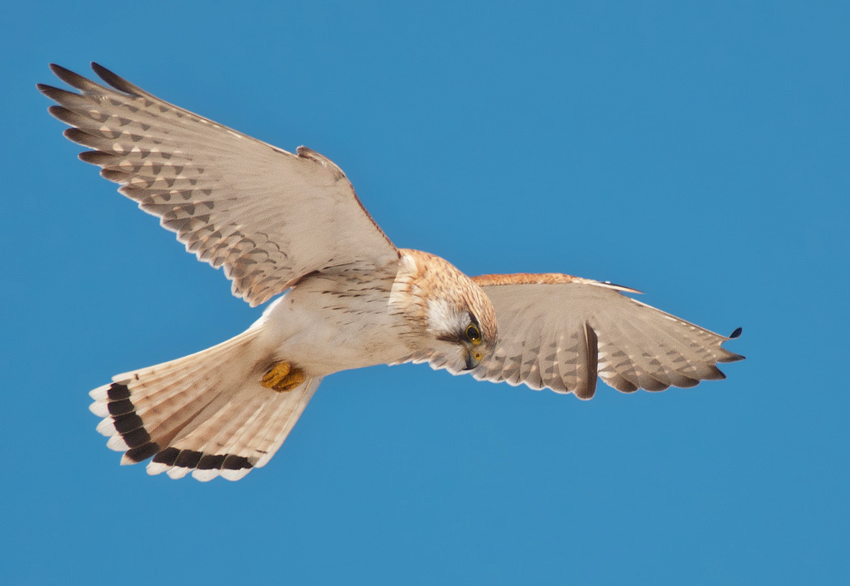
x: 267, y: 216
x: 560, y: 332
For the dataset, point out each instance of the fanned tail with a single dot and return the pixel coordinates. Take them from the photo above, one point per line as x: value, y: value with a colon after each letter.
x: 206, y: 413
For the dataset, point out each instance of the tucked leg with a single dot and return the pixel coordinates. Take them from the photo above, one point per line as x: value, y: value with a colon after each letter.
x: 282, y: 377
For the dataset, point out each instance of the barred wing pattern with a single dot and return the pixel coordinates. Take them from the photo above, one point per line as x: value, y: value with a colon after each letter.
x: 267, y: 216
x: 560, y: 332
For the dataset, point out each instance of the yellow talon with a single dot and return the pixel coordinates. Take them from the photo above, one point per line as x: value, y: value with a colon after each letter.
x: 277, y: 373
x: 282, y: 377
x: 292, y: 380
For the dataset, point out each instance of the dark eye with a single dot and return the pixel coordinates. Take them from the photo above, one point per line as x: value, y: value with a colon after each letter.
x: 473, y: 333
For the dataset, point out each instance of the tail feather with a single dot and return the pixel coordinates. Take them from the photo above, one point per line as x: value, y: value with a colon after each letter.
x: 233, y: 426
x: 284, y: 420
x: 206, y: 413
x: 153, y: 375
x: 242, y: 441
x: 179, y: 459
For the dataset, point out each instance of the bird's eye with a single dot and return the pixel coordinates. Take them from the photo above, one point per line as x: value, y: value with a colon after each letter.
x: 473, y: 333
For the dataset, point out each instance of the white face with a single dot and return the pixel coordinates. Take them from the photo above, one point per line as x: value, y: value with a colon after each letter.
x: 444, y: 319
x: 456, y: 337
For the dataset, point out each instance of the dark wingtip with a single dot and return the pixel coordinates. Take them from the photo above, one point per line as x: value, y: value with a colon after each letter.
x: 103, y: 73
x: 116, y: 81
x: 736, y: 334
x: 45, y: 89
x: 59, y: 71
x: 73, y: 79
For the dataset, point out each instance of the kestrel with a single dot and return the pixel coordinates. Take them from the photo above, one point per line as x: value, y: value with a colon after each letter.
x: 291, y: 223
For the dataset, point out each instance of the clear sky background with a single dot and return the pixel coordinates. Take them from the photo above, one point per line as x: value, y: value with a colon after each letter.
x: 697, y: 151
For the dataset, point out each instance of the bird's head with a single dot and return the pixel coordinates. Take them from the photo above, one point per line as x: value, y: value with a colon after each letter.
x: 454, y: 317
x: 462, y: 334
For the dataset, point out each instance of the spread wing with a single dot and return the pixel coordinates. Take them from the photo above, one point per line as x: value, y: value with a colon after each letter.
x: 267, y: 216
x: 560, y: 332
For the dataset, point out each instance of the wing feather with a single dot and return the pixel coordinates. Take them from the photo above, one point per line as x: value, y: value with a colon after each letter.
x: 564, y: 332
x: 267, y: 216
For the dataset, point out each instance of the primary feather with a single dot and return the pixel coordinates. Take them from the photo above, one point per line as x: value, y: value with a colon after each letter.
x: 261, y: 213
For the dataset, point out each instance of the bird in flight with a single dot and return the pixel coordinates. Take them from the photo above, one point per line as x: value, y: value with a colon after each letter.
x: 279, y: 222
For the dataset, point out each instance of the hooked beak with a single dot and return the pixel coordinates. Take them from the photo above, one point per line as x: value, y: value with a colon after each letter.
x: 473, y: 359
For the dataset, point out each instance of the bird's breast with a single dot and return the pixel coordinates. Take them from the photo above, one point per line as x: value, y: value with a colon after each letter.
x: 325, y: 326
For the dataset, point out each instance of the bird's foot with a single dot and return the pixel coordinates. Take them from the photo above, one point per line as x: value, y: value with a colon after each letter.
x: 282, y: 377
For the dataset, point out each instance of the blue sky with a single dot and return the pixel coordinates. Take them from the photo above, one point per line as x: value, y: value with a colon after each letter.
x: 695, y: 151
